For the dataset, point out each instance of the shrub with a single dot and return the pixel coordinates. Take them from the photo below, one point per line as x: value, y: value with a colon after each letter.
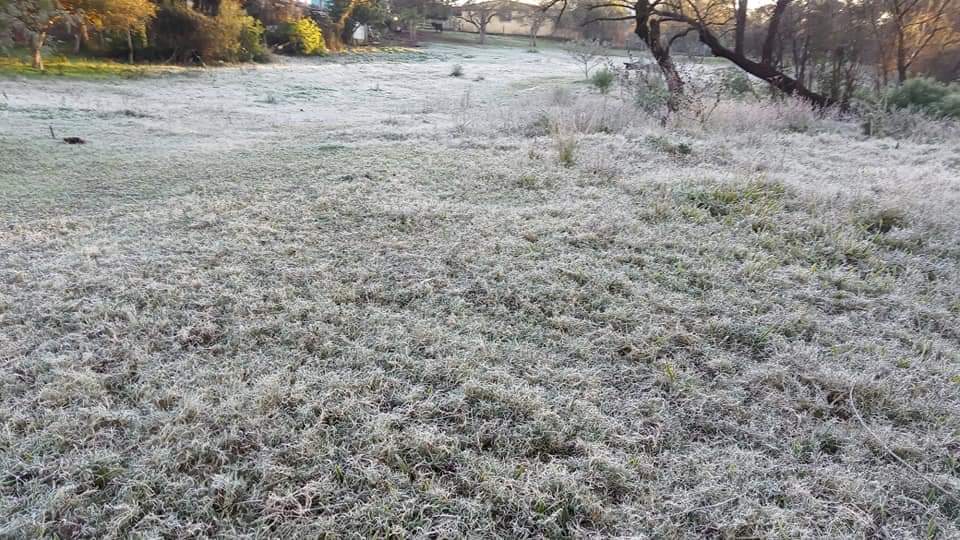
x: 664, y: 145
x: 252, y: 44
x: 736, y: 83
x: 650, y: 93
x: 566, y: 149
x: 586, y: 54
x: 950, y: 105
x: 305, y: 37
x: 180, y: 33
x: 561, y: 96
x: 928, y: 96
x: 236, y: 35
x: 602, y: 80
x: 564, y: 131
x: 456, y: 71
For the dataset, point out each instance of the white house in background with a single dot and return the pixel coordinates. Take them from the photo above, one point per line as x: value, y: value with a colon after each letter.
x: 361, y: 34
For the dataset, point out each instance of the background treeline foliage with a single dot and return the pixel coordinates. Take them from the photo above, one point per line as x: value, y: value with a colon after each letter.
x: 196, y: 31
x: 827, y: 52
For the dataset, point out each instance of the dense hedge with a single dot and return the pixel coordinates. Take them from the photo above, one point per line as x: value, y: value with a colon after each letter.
x: 182, y: 34
x: 927, y: 95
x: 305, y: 37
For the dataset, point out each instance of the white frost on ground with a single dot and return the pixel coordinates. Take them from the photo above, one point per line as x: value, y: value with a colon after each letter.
x: 368, y: 299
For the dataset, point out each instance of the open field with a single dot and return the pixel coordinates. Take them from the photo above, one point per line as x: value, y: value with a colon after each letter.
x: 369, y: 299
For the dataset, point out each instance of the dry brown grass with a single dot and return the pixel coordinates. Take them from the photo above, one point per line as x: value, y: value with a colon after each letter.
x: 418, y: 327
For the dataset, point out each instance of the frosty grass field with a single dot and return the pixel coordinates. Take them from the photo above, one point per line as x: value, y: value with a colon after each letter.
x: 368, y: 298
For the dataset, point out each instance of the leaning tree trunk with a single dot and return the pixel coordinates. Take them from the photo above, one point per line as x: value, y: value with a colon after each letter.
x: 765, y: 71
x: 36, y: 45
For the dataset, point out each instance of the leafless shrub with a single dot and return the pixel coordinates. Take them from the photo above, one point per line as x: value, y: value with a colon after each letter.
x: 586, y: 53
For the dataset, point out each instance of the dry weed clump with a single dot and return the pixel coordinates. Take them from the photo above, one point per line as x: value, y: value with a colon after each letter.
x: 584, y: 114
x: 879, y: 122
x: 784, y: 115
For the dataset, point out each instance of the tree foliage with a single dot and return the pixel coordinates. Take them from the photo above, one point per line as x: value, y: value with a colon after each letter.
x: 33, y: 18
x: 235, y: 35
x: 273, y: 12
x: 183, y: 34
x: 306, y: 37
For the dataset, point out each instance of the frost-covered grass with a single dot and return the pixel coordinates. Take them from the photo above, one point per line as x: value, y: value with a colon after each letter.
x: 372, y: 299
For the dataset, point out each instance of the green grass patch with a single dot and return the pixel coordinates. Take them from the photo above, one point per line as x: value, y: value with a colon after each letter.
x: 79, y: 68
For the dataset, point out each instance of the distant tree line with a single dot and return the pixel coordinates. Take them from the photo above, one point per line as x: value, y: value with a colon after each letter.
x: 195, y: 30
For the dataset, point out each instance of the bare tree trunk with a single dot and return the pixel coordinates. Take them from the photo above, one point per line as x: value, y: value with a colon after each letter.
x: 80, y: 37
x: 773, y: 30
x: 800, y: 56
x: 36, y: 44
x: 483, y: 34
x: 130, y: 45
x: 648, y: 30
x: 882, y: 51
x: 674, y: 82
x: 741, y: 26
x: 901, y: 57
